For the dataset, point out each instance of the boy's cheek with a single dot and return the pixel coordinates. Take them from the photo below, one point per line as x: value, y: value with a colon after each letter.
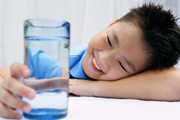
x: 114, y: 75
x: 97, y: 42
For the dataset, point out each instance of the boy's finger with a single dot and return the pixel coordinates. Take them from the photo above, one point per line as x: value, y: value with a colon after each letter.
x: 8, y: 113
x: 5, y: 73
x: 13, y: 102
x: 18, y: 70
x: 18, y: 88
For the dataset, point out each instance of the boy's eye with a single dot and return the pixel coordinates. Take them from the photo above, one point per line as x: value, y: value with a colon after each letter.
x: 109, y: 42
x: 122, y: 66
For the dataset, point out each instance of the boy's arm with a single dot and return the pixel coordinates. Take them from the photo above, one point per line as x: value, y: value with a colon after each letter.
x: 151, y: 85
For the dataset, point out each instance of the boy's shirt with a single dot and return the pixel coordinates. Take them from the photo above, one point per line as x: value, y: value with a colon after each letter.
x: 43, y: 66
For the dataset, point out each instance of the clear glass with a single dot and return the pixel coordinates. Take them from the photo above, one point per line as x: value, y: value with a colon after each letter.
x: 47, y: 56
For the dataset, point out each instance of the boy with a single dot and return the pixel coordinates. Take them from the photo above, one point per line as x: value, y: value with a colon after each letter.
x: 132, y: 58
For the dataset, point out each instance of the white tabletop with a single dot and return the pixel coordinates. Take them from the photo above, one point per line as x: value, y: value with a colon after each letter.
x: 91, y: 108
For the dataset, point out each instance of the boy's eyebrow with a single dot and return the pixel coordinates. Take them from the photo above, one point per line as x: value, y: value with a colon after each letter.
x: 132, y: 66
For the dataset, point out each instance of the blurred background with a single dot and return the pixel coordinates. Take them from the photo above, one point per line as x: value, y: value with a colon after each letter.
x: 87, y: 17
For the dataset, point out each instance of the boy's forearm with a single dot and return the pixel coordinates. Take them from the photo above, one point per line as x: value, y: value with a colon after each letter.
x: 153, y: 85
x: 149, y: 85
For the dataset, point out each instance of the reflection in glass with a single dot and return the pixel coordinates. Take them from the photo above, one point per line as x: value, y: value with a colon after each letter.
x: 47, y: 56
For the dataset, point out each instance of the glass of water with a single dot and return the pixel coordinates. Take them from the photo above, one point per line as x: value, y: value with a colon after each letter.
x: 47, y: 56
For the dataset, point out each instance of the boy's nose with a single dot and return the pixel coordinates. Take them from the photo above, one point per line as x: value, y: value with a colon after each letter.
x: 106, y: 60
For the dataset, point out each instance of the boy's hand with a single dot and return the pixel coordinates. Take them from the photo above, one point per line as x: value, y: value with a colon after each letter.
x: 11, y: 91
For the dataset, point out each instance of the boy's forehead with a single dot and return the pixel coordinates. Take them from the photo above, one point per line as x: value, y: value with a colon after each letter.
x: 126, y: 30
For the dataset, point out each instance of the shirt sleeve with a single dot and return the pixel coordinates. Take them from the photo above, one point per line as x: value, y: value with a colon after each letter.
x: 42, y: 65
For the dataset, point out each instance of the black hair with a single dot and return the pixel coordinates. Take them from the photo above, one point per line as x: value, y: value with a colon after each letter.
x: 160, y: 32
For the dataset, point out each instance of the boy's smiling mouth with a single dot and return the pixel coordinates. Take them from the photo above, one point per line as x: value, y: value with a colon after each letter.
x: 95, y: 63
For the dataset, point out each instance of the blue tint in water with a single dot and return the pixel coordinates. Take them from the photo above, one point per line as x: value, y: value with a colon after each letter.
x: 51, y: 38
x: 48, y: 105
x: 46, y: 114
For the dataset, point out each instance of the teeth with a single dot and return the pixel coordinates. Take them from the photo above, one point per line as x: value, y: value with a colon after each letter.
x: 95, y: 64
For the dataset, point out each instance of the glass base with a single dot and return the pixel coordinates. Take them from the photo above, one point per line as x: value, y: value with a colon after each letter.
x: 46, y: 114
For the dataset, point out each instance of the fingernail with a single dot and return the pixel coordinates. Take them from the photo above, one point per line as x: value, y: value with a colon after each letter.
x: 18, y: 116
x: 32, y: 94
x: 27, y: 108
x: 26, y: 73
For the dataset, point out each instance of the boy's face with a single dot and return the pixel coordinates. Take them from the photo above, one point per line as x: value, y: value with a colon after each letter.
x: 117, y: 52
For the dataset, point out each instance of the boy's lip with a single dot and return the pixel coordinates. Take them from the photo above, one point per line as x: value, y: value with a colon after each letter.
x: 96, y: 63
